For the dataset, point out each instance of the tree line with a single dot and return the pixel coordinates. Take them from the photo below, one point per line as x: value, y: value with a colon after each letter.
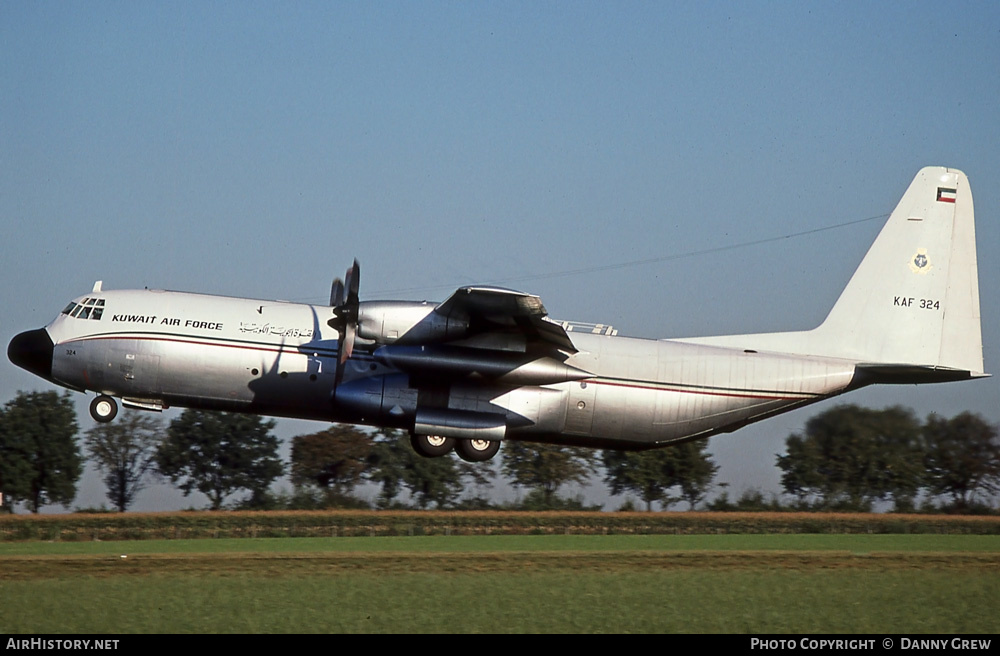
x: 850, y: 458
x: 847, y: 458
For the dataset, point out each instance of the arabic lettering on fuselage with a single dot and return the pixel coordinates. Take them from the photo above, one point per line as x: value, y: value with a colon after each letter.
x: 272, y: 329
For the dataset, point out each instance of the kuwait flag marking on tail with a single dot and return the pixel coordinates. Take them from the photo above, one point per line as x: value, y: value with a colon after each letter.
x: 946, y: 195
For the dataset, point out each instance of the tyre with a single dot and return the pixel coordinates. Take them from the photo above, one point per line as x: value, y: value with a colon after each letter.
x: 431, y: 446
x: 103, y: 408
x: 477, y: 450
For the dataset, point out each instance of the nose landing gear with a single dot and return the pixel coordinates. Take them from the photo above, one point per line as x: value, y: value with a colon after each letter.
x: 103, y: 408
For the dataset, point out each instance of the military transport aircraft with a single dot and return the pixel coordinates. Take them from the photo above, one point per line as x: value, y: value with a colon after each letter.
x: 488, y: 364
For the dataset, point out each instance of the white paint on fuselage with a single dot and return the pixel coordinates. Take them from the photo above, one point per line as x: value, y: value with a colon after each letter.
x: 207, y: 351
x: 279, y: 358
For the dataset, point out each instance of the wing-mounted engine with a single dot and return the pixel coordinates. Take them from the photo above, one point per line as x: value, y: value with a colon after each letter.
x: 376, y: 323
x: 464, y: 371
x: 487, y: 318
x: 408, y: 322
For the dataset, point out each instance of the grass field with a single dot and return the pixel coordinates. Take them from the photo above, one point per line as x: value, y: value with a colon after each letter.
x: 692, y: 583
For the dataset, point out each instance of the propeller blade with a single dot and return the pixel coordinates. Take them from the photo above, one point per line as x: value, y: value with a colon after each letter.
x: 353, y: 284
x: 337, y: 292
x: 348, y: 342
x: 345, y: 347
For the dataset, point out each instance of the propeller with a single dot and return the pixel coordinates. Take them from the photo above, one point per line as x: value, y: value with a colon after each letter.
x: 344, y: 299
x: 336, y: 292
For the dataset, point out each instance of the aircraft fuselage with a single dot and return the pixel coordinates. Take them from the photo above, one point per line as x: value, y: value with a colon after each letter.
x: 158, y: 349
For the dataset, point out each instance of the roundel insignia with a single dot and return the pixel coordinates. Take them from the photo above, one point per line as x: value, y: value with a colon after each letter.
x: 920, y: 263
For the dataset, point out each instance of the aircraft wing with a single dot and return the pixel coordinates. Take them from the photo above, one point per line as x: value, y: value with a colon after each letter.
x: 493, y: 309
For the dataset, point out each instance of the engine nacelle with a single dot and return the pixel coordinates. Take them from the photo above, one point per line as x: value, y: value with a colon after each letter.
x: 407, y: 322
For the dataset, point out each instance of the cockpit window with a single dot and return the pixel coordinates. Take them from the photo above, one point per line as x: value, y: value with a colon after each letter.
x: 89, y: 308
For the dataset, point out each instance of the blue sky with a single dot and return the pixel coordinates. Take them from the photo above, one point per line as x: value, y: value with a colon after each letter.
x: 255, y: 149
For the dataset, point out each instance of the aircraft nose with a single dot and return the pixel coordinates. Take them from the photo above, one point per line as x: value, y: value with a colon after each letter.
x: 32, y: 350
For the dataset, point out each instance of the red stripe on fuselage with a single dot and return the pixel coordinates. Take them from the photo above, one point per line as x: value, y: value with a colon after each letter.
x: 663, y: 387
x: 276, y: 348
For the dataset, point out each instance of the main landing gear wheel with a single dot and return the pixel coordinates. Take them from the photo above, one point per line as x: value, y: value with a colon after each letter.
x: 431, y: 446
x: 103, y: 409
x: 477, y: 450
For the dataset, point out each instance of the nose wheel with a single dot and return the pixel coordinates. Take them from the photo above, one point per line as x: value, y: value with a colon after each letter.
x: 103, y: 408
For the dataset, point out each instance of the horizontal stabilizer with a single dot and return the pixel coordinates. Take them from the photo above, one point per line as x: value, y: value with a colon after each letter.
x: 909, y: 374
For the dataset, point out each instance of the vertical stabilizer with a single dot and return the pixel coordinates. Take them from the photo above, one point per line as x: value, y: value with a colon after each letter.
x: 913, y: 303
x: 915, y: 297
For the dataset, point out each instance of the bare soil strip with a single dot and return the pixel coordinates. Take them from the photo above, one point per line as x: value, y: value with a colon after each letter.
x: 312, y: 564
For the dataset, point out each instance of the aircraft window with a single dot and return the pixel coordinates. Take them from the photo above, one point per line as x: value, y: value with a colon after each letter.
x: 90, y: 308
